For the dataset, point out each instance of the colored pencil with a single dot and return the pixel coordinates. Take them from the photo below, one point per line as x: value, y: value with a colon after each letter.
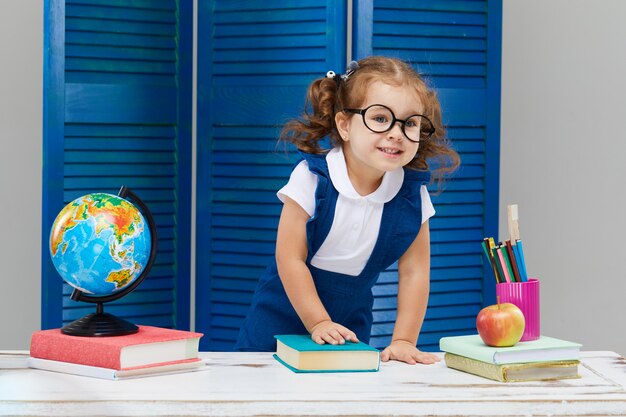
x: 492, y: 262
x: 509, y: 249
x: 484, y: 246
x: 505, y: 270
x: 522, y: 262
x: 496, y: 260
x: 507, y: 261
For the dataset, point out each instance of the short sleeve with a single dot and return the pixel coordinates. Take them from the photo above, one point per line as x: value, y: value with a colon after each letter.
x: 301, y: 188
x: 428, y: 210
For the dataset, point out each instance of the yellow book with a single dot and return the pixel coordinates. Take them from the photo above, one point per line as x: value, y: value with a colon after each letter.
x: 515, y: 372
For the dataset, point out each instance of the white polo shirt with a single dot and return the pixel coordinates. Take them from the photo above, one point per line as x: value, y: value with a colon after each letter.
x: 356, y: 223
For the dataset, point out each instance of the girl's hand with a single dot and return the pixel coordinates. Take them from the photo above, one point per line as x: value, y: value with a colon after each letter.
x: 401, y: 350
x: 332, y: 333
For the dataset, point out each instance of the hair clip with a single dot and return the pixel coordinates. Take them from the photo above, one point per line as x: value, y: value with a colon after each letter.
x: 352, y: 66
x: 333, y: 75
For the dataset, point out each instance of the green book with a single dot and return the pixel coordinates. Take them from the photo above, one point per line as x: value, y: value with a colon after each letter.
x: 514, y: 372
x: 301, y: 354
x: 540, y: 350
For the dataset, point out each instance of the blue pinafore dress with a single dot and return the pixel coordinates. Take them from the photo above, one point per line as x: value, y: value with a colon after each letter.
x: 348, y: 299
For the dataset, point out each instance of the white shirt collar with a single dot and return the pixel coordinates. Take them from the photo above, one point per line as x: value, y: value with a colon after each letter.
x: 389, y: 187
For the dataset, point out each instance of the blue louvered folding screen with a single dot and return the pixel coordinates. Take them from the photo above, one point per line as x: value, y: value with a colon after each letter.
x: 118, y: 112
x: 456, y: 46
x: 254, y: 63
x: 255, y: 60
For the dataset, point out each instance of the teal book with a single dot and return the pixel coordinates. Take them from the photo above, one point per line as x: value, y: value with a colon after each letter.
x: 543, y: 349
x: 301, y: 354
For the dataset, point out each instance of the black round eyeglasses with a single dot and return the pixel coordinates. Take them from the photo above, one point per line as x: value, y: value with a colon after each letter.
x: 379, y: 119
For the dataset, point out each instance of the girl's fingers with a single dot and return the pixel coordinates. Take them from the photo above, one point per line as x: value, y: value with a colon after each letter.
x: 349, y: 335
x: 435, y: 358
x: 329, y: 339
x: 408, y: 358
x: 422, y: 359
x: 334, y: 333
x: 426, y: 358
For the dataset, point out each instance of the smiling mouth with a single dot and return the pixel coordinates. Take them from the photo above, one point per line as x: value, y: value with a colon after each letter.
x: 390, y: 151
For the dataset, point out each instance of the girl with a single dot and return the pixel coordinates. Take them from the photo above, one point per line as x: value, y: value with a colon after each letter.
x: 351, y: 212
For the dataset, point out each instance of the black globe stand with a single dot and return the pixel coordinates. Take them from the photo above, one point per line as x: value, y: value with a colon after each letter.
x: 106, y: 324
x: 100, y: 324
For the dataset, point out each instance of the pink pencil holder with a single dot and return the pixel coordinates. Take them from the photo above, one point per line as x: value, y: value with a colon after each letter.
x: 525, y: 295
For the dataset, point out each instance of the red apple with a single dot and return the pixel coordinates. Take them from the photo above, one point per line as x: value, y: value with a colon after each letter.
x: 500, y: 325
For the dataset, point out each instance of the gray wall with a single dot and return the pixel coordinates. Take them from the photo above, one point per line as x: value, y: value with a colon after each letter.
x: 562, y: 160
x: 562, y: 107
x: 21, y: 72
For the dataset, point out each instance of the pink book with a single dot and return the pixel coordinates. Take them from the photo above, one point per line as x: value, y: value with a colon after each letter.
x: 148, y: 347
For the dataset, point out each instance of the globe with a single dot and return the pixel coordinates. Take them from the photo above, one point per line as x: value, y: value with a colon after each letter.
x: 100, y: 244
x: 103, y: 246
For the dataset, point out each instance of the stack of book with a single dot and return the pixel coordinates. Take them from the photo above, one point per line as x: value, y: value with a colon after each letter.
x: 546, y: 358
x: 150, y: 351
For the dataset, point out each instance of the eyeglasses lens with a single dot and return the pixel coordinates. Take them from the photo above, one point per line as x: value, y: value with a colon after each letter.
x: 378, y: 118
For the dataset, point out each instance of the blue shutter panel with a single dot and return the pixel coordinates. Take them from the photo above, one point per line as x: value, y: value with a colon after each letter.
x: 124, y: 120
x: 456, y: 46
x: 255, y: 62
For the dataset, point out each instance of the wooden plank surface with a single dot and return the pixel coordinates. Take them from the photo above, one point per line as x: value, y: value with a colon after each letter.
x: 253, y: 384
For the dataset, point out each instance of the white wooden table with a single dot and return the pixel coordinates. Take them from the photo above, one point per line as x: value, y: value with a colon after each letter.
x: 253, y: 384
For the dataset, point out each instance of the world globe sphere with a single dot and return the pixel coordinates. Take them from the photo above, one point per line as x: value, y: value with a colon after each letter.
x: 100, y: 244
